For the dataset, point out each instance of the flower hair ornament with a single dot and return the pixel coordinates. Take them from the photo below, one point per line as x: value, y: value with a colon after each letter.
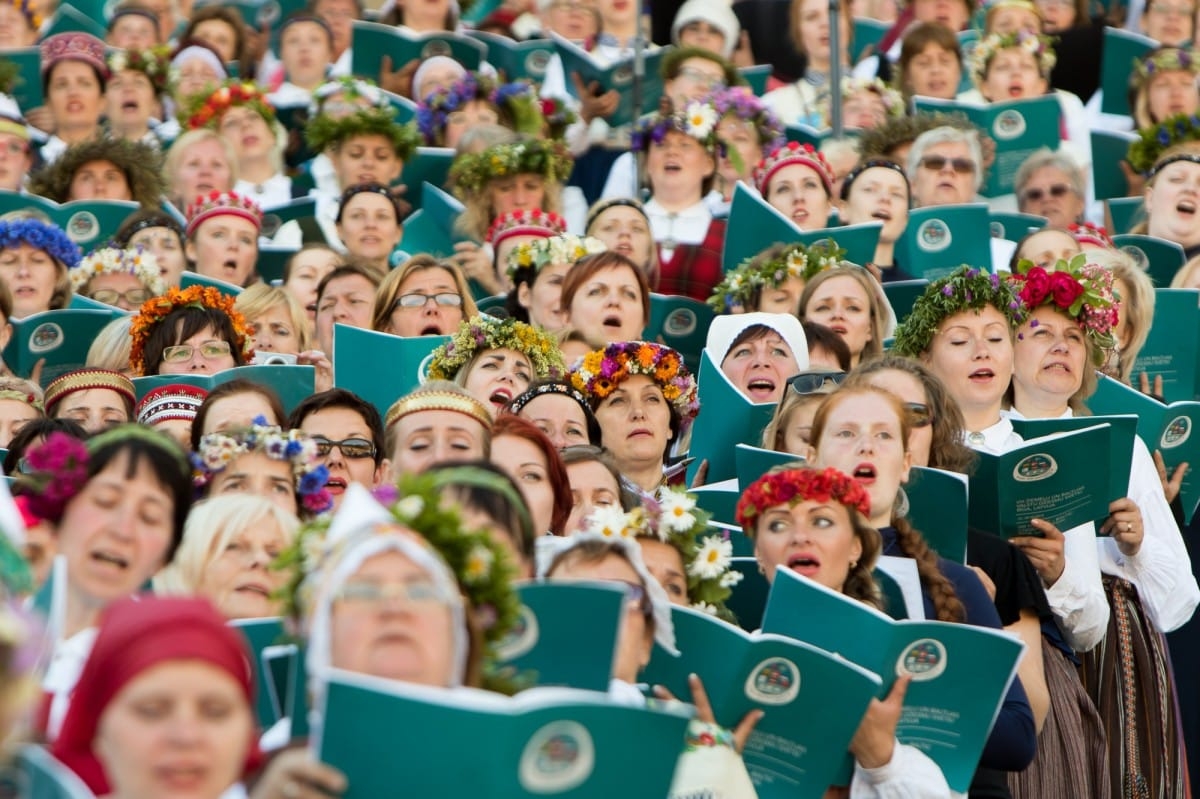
x: 565, y: 248
x: 1076, y: 288
x: 206, y: 111
x: 601, y: 371
x: 893, y: 101
x: 41, y: 236
x: 1037, y: 46
x: 156, y: 309
x: 966, y: 289
x: 154, y: 63
x: 326, y: 131
x: 1146, y: 153
x: 1089, y: 234
x: 802, y: 261
x: 1164, y: 59
x: 117, y: 261
x: 483, y: 333
x: 697, y: 119
x: 518, y: 100
x: 793, y: 486
x: 741, y: 103
x: 471, y: 172
x: 218, y: 450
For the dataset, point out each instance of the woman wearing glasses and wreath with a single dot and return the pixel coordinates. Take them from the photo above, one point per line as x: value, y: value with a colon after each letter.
x: 193, y: 330
x: 423, y: 297
x: 123, y: 278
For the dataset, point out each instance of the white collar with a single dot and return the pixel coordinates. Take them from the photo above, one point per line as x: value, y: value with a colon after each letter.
x: 996, y: 439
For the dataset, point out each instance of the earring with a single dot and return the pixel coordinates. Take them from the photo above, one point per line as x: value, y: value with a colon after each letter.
x: 761, y: 570
x: 853, y: 564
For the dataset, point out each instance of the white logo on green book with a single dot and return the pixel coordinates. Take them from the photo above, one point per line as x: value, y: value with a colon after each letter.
x: 1035, y: 467
x: 536, y: 62
x: 1009, y: 125
x: 1177, y: 433
x: 933, y: 235
x: 83, y: 226
x: 435, y: 48
x: 681, y: 322
x: 521, y: 638
x: 46, y: 336
x: 775, y: 681
x: 560, y: 756
x: 923, y: 660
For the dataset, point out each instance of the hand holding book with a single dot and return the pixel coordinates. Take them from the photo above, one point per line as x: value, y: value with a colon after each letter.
x: 875, y: 742
x: 704, y: 711
x: 1045, y: 550
x: 1125, y: 525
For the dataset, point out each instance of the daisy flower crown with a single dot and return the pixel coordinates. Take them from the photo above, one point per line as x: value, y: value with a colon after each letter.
x: 740, y: 102
x: 156, y: 309
x: 1078, y: 289
x: 793, y: 486
x: 1145, y: 153
x: 154, y: 63
x: 1037, y: 46
x: 206, y: 111
x: 563, y: 249
x: 737, y: 288
x: 218, y: 450
x: 674, y: 518
x: 966, y: 289
x: 487, y: 333
x: 697, y: 120
x: 471, y: 172
x: 601, y: 371
x: 120, y: 261
x: 893, y: 101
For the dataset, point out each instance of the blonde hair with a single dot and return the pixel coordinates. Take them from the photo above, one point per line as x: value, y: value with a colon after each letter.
x: 389, y: 289
x: 211, y: 526
x: 775, y: 433
x: 172, y: 162
x: 110, y: 348
x: 1138, y: 308
x: 479, y: 213
x: 879, y: 310
x: 261, y: 298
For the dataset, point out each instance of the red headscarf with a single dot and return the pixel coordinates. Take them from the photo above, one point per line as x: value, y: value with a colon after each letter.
x: 135, y: 635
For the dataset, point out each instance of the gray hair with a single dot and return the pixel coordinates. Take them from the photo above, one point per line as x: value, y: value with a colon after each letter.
x: 947, y: 135
x: 1045, y: 158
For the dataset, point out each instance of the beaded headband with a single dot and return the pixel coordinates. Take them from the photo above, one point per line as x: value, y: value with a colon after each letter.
x: 438, y: 401
x: 871, y: 163
x: 85, y: 380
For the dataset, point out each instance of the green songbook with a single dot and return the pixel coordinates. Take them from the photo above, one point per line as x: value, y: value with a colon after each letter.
x: 737, y: 420
x: 960, y: 673
x: 1014, y: 226
x: 618, y: 77
x: 804, y: 133
x: 1120, y: 454
x: 27, y: 86
x: 1171, y: 349
x: 260, y: 634
x: 1123, y: 213
x: 1159, y: 258
x: 81, y: 303
x: 371, y: 40
x: 458, y: 743
x: 566, y: 634
x: 787, y: 755
x: 1052, y: 478
x: 271, y: 263
x: 1164, y: 428
x: 62, y: 337
x: 1109, y: 149
x: 284, y: 671
x: 681, y: 323
x: 719, y: 499
x: 1019, y: 127
x: 756, y: 77
x: 749, y: 597
x: 1121, y: 49
x: 42, y: 775
x: 379, y: 367
x: 903, y: 294
x: 88, y: 223
x: 277, y: 216
x: 68, y: 19
x: 431, y: 229
x: 291, y: 382
x: 189, y: 279
x: 866, y: 35
x: 525, y: 60
x: 937, y: 509
x: 941, y: 238
x: 753, y: 462
x: 259, y: 14
x: 427, y: 165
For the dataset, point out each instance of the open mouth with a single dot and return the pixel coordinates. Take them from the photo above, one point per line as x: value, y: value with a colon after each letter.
x: 110, y: 558
x: 230, y: 266
x: 1186, y: 207
x: 129, y: 105
x: 761, y: 388
x: 1057, y: 366
x: 804, y: 563
x: 431, y: 330
x: 864, y: 473
x: 1016, y: 91
x: 981, y: 376
x: 884, y: 216
x: 336, y: 485
x: 612, y: 321
x: 500, y: 397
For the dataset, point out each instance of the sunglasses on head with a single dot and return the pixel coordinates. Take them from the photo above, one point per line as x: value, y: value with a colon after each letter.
x: 1037, y: 195
x: 919, y: 414
x: 807, y: 383
x: 963, y: 166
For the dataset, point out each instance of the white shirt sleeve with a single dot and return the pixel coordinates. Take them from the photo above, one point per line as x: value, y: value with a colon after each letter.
x: 622, y: 178
x: 1077, y: 596
x: 909, y: 775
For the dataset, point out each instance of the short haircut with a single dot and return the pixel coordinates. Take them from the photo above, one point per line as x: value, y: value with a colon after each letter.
x: 341, y: 398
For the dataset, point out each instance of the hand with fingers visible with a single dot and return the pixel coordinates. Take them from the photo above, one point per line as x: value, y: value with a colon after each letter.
x: 294, y: 774
x: 475, y: 263
x: 323, y: 369
x: 704, y: 711
x: 1145, y: 387
x: 398, y: 81
x: 1045, y: 552
x: 592, y: 103
x: 1125, y: 525
x: 875, y: 741
x: 1171, y: 483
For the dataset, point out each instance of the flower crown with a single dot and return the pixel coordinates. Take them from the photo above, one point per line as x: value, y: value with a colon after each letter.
x: 154, y: 63
x: 737, y: 288
x: 967, y: 288
x: 893, y: 101
x: 1037, y: 46
x: 601, y: 371
x: 1164, y: 59
x: 156, y: 309
x: 325, y: 131
x: 218, y: 450
x: 471, y: 172
x: 1081, y: 290
x: 742, y: 103
x: 674, y: 518
x: 1152, y: 142
x: 1089, y: 234
x: 698, y: 120
x: 518, y: 98
x: 41, y: 236
x: 792, y: 486
x: 483, y: 569
x: 206, y: 111
x: 29, y: 11
x: 566, y: 248
x: 120, y: 261
x: 486, y: 333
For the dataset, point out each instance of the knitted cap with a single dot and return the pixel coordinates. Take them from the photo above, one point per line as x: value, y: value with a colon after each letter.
x: 73, y: 47
x: 174, y: 401
x: 221, y: 203
x: 788, y: 154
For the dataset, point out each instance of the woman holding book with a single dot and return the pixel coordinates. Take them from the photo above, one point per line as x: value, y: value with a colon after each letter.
x: 798, y: 181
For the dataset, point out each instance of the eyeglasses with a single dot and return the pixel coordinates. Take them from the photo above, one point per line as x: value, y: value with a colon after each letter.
x: 918, y: 414
x: 181, y: 353
x: 702, y: 78
x: 445, y: 300
x: 963, y: 166
x: 807, y: 383
x: 353, y: 448
x: 112, y: 296
x: 375, y: 594
x: 1037, y: 195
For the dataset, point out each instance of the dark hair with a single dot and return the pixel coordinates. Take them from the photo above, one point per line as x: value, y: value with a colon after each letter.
x: 586, y: 453
x: 587, y: 267
x: 183, y: 323
x: 146, y: 218
x: 558, y: 388
x: 352, y: 267
x: 33, y: 431
x: 819, y: 335
x: 231, y: 18
x: 308, y: 247
x: 6, y: 301
x: 368, y: 188
x: 341, y: 398
x: 49, y: 74
x: 238, y: 386
x: 752, y: 333
x: 916, y: 39
x: 510, y: 425
x: 494, y: 504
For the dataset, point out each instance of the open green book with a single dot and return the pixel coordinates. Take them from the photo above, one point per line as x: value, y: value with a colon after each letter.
x: 42, y: 775
x: 787, y: 755
x: 618, y: 77
x: 1053, y: 477
x: 960, y: 673
x: 526, y: 60
x: 937, y: 508
x: 756, y: 77
x: 681, y: 323
x: 379, y: 367
x: 1120, y: 453
x: 456, y: 743
x: 283, y: 669
x: 431, y: 229
x: 1019, y: 127
x: 27, y: 87
x: 1159, y: 258
x: 371, y: 40
x: 69, y: 19
x: 291, y: 382
x: 62, y: 337
x: 81, y: 303
x: 277, y: 216
x: 566, y: 634
x: 1168, y: 429
x: 271, y: 263
x: 260, y: 634
x: 753, y: 462
x: 1121, y: 49
x: 1171, y: 349
x: 941, y: 238
x: 88, y: 223
x: 903, y: 294
x: 427, y: 165
x: 1124, y: 213
x: 719, y: 499
x: 1109, y: 149
x: 866, y: 35
x: 1014, y: 226
x: 737, y: 420
x: 189, y: 279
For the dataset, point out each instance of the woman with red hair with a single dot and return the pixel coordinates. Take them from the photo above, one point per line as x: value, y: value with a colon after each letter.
x: 533, y: 462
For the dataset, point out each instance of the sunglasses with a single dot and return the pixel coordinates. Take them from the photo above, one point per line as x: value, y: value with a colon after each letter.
x: 353, y: 448
x: 1037, y: 195
x: 918, y: 414
x: 807, y: 383
x: 963, y: 166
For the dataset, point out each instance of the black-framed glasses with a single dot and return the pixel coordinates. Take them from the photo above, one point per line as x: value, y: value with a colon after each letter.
x: 1037, y: 195
x: 963, y: 166
x: 181, y: 353
x: 445, y: 299
x: 807, y: 383
x: 112, y: 296
x: 919, y: 414
x: 353, y: 448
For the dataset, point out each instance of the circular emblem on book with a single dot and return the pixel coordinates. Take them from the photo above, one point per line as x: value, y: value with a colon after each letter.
x: 521, y: 638
x: 1138, y: 255
x: 536, y: 63
x: 1034, y: 467
x: 83, y: 226
x: 46, y: 337
x: 923, y: 660
x: 27, y: 213
x: 269, y: 14
x: 622, y: 76
x: 423, y: 369
x: 934, y: 235
x: 435, y: 47
x: 558, y: 757
x: 270, y: 225
x: 1177, y: 432
x: 997, y: 228
x: 775, y: 681
x: 680, y: 322
x: 1009, y: 125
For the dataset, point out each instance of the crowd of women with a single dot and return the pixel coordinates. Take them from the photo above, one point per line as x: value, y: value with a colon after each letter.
x: 265, y: 192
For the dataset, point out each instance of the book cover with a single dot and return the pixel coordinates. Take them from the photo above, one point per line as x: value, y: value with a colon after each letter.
x: 69, y: 19
x: 526, y: 60
x: 260, y: 634
x: 1109, y: 149
x: 88, y: 223
x: 379, y: 367
x: 277, y: 216
x: 292, y: 382
x: 1120, y: 50
x: 937, y: 508
x: 756, y: 77
x: 1123, y: 213
x: 753, y: 462
x: 1014, y: 226
x: 941, y: 238
x: 431, y: 229
x: 618, y: 77
x: 62, y: 337
x: 1120, y: 453
x: 189, y: 279
x: 903, y: 294
x: 1171, y: 348
x: 42, y: 775
x: 681, y: 323
x: 1159, y: 258
x: 370, y: 40
x: 428, y: 165
x: 27, y: 87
